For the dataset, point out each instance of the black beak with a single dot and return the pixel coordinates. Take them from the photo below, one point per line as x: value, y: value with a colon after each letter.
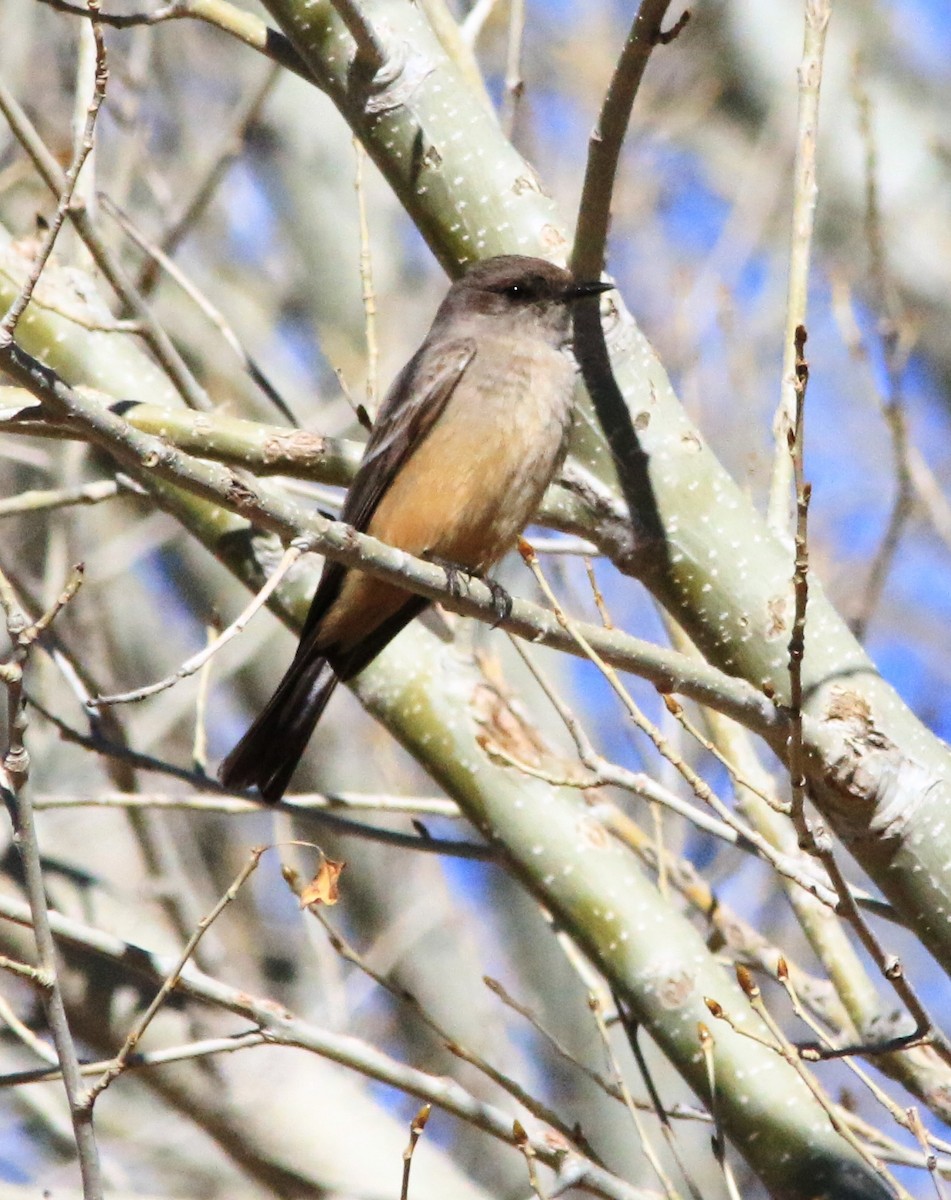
x: 576, y: 291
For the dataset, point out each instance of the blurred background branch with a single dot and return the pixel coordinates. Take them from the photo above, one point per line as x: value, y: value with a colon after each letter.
x: 243, y: 176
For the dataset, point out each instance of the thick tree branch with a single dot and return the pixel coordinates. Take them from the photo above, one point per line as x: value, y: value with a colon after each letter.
x: 665, y: 668
x: 283, y: 1028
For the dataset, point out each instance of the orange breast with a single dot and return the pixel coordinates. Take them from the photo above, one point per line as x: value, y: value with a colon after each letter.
x: 475, y: 481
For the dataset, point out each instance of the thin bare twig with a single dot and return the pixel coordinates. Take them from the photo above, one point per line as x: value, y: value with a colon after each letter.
x: 596, y: 1008
x: 475, y: 20
x: 150, y: 457
x: 797, y: 637
x: 237, y: 626
x: 926, y: 1029
x: 151, y: 1058
x: 160, y: 258
x: 604, y: 148
x: 630, y: 1026
x: 32, y: 975
x: 53, y: 176
x: 528, y: 1153
x: 541, y: 1111
x: 417, y: 1125
x: 91, y: 54
x: 718, y: 1141
x: 120, y: 1062
x: 680, y: 1111
x: 891, y: 1151
x: 14, y: 772
x: 24, y: 1033
x: 514, y: 83
x: 593, y: 584
x: 200, y: 741
x: 247, y: 27
x: 330, y: 820
x: 371, y: 52
x: 46, y: 500
x: 781, y: 862
x: 785, y: 1048
x: 931, y: 1162
x: 607, y: 774
x: 417, y: 806
x: 230, y: 146
x: 676, y: 710
x: 805, y: 194
x: 895, y: 356
x: 367, y: 292
x: 83, y: 150
x: 900, y: 1116
x: 561, y: 1050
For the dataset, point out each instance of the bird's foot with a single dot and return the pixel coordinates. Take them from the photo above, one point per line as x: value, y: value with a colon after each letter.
x: 456, y: 574
x: 501, y: 600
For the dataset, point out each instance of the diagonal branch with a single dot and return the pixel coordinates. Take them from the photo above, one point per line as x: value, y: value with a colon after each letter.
x: 143, y: 453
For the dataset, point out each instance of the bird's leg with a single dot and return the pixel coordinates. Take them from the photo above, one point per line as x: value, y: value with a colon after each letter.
x: 455, y: 573
x: 501, y: 600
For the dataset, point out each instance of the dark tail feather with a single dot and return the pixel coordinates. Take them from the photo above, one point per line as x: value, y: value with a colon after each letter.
x: 268, y: 754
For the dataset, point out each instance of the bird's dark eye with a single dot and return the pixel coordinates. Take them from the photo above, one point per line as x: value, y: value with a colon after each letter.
x: 526, y: 291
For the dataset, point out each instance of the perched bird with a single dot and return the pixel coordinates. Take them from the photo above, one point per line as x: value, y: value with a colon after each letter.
x: 467, y: 440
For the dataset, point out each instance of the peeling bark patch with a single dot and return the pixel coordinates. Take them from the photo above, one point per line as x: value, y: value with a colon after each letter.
x: 431, y: 159
x: 504, y: 728
x: 593, y: 832
x: 557, y: 1141
x: 411, y: 70
x: 852, y: 708
x: 776, y: 610
x: 939, y: 1098
x: 552, y: 238
x: 852, y: 711
x: 239, y: 494
x: 267, y: 550
x: 873, y: 773
x: 296, y: 446
x: 736, y: 936
x: 674, y: 988
x: 526, y: 183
